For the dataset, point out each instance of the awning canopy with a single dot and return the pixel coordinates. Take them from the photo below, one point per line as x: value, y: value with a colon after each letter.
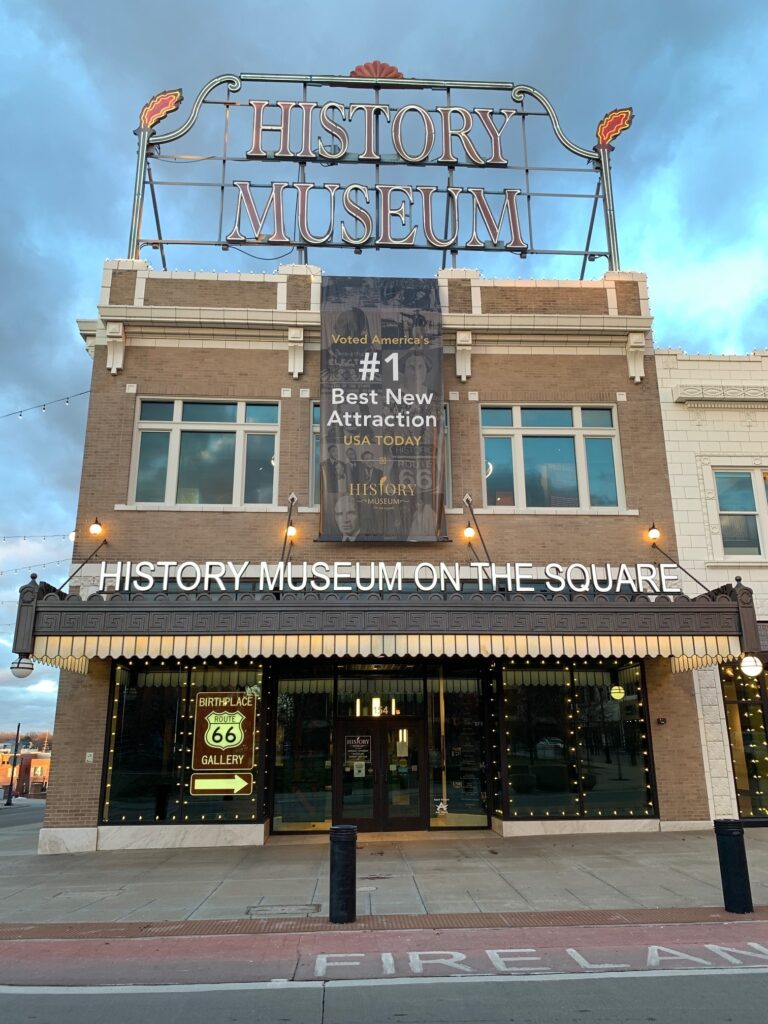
x: 67, y: 631
x: 65, y: 651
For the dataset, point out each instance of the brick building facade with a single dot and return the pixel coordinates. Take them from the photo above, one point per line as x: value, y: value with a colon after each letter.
x: 526, y: 712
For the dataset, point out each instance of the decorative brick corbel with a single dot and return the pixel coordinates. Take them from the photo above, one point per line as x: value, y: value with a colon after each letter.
x: 464, y: 354
x: 295, y: 351
x: 115, y: 346
x: 635, y: 355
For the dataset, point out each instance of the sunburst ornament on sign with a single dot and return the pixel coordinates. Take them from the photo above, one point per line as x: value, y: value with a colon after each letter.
x: 375, y: 69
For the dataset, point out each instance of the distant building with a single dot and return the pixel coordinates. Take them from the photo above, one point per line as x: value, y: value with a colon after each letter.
x: 715, y: 411
x: 30, y: 775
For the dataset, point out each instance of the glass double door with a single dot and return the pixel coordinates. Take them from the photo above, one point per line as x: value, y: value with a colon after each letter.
x: 380, y: 774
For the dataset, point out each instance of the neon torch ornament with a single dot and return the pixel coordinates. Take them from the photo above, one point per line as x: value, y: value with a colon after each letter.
x: 611, y: 126
x: 160, y: 106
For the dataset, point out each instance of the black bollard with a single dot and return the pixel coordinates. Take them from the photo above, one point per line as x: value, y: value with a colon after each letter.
x: 734, y: 871
x: 342, y: 908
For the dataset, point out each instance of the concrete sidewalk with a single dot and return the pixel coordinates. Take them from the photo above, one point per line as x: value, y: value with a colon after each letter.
x: 435, y: 873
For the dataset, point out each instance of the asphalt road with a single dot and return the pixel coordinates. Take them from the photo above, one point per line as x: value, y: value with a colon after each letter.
x: 688, y: 998
x: 21, y: 812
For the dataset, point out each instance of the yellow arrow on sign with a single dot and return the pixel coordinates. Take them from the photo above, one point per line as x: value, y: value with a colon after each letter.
x: 233, y: 782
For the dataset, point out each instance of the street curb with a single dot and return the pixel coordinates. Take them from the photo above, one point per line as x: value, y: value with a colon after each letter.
x: 373, y: 923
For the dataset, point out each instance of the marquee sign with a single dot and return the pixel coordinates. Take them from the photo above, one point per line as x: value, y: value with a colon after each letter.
x: 373, y: 160
x: 390, y: 577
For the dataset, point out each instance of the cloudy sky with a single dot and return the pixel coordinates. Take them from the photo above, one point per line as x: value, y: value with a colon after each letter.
x: 689, y: 180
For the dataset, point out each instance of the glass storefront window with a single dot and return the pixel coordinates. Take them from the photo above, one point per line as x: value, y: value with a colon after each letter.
x: 576, y: 743
x: 411, y: 721
x: 458, y: 778
x: 150, y: 757
x: 611, y: 733
x: 144, y: 782
x: 377, y: 693
x: 746, y: 713
x: 539, y: 769
x: 536, y: 742
x: 303, y: 752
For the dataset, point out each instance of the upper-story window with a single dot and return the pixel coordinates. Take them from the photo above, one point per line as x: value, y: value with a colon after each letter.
x: 742, y: 501
x: 206, y: 453
x: 314, y: 481
x: 551, y: 457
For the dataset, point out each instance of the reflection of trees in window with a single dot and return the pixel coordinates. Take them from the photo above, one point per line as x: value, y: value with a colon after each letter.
x: 576, y: 743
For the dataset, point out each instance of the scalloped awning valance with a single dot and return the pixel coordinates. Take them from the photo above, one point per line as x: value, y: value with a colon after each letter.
x: 71, y: 652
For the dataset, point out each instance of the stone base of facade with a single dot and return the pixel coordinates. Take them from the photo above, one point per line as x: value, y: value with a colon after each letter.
x: 152, y: 837
x: 67, y: 840
x: 513, y: 829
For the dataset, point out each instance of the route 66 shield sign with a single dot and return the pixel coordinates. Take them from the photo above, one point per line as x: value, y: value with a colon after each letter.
x: 224, y: 729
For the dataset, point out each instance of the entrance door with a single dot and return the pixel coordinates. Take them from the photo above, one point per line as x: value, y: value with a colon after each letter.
x: 380, y: 774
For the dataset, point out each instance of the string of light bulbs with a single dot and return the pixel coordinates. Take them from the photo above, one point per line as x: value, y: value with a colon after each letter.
x: 44, y: 405
x: 37, y: 536
x: 38, y: 565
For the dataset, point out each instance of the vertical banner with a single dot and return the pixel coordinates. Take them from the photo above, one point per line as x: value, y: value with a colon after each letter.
x: 381, y: 410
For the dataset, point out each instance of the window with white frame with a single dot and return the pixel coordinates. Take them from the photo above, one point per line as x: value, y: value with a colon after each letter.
x: 205, y: 452
x: 314, y: 480
x: 551, y: 457
x: 742, y: 501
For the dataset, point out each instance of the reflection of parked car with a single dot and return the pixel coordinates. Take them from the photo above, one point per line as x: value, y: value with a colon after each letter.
x: 550, y: 747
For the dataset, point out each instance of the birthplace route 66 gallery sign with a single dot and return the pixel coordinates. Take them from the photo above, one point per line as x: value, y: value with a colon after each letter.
x: 223, y: 744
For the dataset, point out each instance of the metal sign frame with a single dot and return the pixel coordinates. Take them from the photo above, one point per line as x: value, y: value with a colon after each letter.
x: 597, y: 161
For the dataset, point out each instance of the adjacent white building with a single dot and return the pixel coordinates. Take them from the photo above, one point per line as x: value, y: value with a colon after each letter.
x: 715, y: 414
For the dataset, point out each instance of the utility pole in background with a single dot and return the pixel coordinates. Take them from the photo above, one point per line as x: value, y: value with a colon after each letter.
x: 9, y: 798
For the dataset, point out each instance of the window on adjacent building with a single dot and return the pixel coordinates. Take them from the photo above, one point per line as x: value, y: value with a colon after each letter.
x: 551, y: 457
x: 314, y: 480
x: 742, y: 501
x: 206, y: 453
